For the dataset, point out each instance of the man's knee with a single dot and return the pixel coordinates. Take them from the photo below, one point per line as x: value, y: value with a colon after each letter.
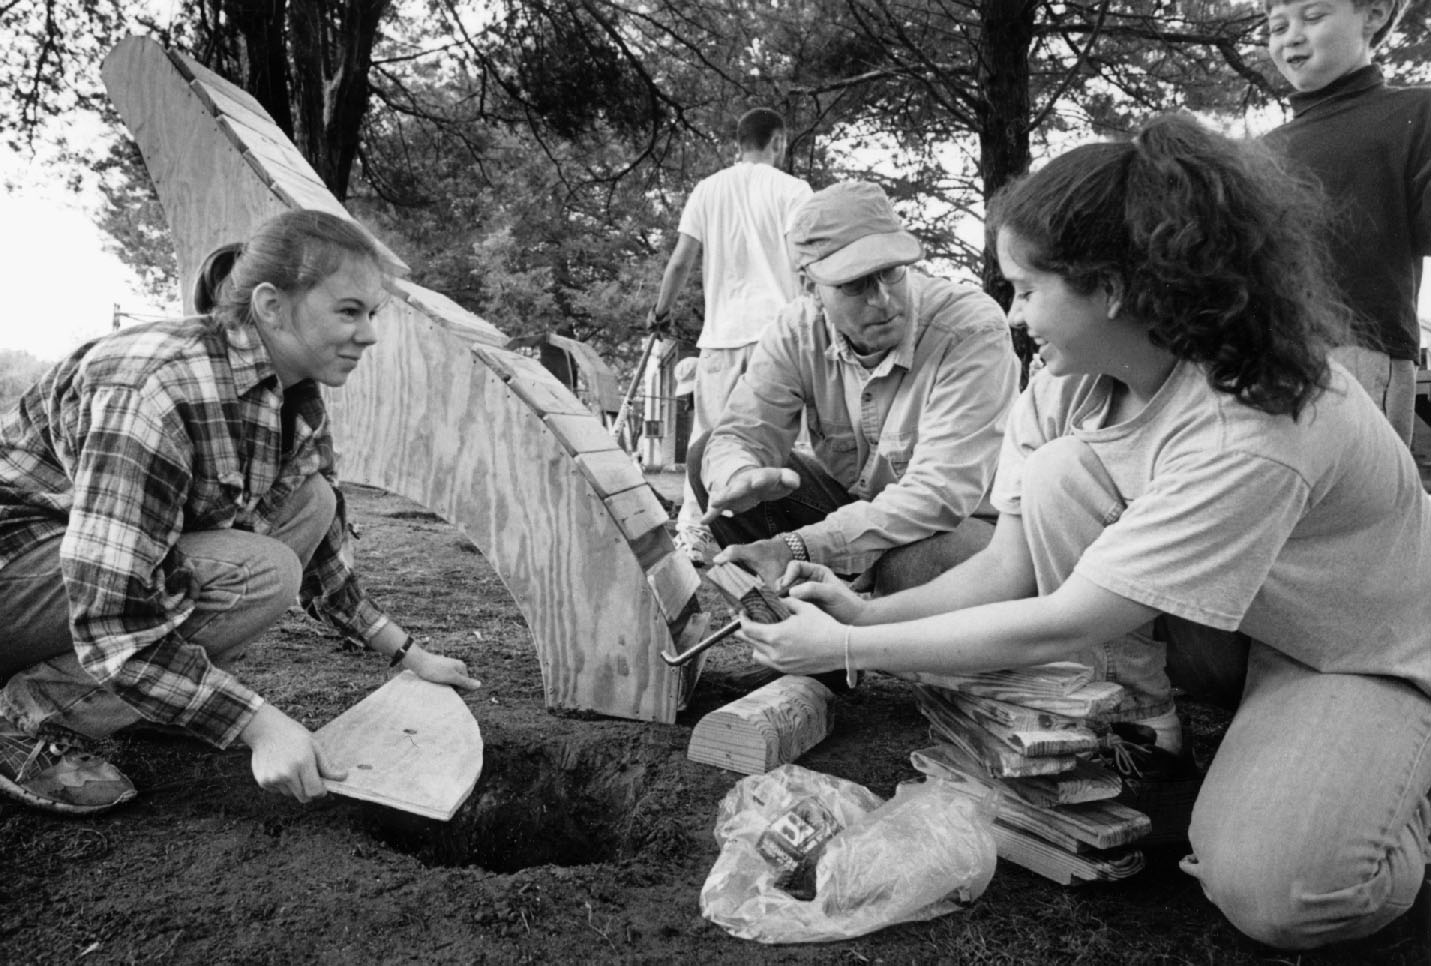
x: 920, y: 562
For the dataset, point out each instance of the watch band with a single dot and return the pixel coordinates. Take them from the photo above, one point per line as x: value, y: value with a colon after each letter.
x: 796, y: 545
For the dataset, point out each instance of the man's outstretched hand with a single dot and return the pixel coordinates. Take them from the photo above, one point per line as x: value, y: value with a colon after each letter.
x: 751, y: 488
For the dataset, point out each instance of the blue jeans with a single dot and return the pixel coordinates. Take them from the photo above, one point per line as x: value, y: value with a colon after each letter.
x: 1311, y: 825
x: 246, y: 583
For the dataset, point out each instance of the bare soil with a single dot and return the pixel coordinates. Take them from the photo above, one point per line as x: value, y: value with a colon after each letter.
x: 588, y: 839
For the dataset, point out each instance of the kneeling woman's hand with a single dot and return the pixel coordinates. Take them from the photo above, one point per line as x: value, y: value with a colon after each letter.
x: 807, y: 642
x: 439, y: 669
x: 285, y: 759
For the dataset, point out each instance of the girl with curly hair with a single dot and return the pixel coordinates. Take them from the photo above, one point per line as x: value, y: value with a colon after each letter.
x: 1190, y: 493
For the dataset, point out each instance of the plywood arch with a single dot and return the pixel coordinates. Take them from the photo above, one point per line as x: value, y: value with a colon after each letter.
x: 440, y: 413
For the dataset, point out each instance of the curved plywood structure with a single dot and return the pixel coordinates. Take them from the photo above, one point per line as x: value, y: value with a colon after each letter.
x: 440, y: 413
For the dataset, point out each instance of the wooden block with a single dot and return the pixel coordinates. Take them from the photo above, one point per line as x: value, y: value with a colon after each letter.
x: 637, y: 512
x: 582, y: 434
x: 410, y: 745
x: 770, y: 726
x: 745, y: 590
x: 1062, y: 867
x: 673, y: 582
x: 610, y: 472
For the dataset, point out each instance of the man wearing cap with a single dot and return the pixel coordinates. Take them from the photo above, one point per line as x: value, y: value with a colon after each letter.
x: 733, y: 226
x: 905, y: 382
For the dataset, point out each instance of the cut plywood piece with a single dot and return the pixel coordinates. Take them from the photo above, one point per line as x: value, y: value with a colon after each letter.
x: 1062, y: 867
x: 674, y: 582
x: 637, y: 512
x: 410, y: 745
x: 770, y: 726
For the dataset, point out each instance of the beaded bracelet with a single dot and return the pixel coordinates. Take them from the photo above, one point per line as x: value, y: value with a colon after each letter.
x: 401, y: 652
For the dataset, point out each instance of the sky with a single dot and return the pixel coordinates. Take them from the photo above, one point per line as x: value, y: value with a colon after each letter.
x: 61, y: 284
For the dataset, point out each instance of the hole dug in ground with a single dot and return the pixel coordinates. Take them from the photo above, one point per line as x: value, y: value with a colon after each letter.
x: 554, y: 805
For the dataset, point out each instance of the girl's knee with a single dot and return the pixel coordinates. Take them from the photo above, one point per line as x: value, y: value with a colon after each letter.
x: 1288, y: 895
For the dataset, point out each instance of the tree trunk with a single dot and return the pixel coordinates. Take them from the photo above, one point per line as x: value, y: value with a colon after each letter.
x: 331, y: 45
x: 262, y: 54
x: 1006, y: 36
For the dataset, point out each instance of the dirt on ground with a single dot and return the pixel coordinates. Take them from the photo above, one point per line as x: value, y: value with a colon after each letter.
x: 587, y: 840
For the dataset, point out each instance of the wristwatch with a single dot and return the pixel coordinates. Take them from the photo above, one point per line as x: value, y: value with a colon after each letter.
x: 796, y: 545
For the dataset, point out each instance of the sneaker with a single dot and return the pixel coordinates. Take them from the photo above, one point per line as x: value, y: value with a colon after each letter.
x: 698, y: 544
x: 1159, y: 783
x: 48, y: 774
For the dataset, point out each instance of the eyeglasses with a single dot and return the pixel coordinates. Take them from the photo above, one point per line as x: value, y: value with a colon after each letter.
x: 885, y: 276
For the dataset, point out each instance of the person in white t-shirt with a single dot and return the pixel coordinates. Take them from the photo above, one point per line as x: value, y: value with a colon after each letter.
x: 1192, y: 492
x: 733, y: 225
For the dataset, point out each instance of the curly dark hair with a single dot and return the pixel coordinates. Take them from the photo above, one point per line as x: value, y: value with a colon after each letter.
x: 1211, y: 242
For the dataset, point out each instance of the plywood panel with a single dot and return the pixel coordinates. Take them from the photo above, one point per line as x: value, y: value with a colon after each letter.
x: 449, y: 314
x: 410, y: 745
x: 210, y: 195
x: 423, y: 416
x: 466, y: 446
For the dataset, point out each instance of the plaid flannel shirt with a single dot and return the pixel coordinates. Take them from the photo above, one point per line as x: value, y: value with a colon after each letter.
x: 132, y: 441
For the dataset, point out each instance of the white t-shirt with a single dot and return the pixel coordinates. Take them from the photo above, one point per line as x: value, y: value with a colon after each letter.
x: 1311, y: 536
x: 739, y: 217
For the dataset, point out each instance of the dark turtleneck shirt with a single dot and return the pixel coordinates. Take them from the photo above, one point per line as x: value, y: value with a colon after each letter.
x: 1369, y: 145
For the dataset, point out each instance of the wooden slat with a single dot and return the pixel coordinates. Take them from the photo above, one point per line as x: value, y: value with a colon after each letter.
x: 538, y: 388
x: 610, y: 472
x: 448, y: 314
x: 1062, y: 867
x: 637, y: 512
x: 674, y: 582
x: 410, y: 745
x: 583, y: 434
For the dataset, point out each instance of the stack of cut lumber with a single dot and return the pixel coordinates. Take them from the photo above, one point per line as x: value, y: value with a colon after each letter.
x: 1025, y: 734
x: 770, y: 726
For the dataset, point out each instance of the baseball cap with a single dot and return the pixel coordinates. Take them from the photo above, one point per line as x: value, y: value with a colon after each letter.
x: 847, y: 231
x: 686, y: 376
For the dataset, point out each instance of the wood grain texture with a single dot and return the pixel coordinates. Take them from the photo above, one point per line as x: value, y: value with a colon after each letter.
x: 410, y: 745
x: 436, y: 413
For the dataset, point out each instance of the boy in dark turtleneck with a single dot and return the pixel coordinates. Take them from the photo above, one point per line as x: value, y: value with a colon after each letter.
x: 1369, y: 145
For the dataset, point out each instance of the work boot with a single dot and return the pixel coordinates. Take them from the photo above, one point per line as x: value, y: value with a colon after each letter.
x: 49, y: 773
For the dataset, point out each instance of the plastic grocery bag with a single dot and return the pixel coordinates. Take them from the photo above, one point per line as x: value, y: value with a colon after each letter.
x: 924, y: 853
